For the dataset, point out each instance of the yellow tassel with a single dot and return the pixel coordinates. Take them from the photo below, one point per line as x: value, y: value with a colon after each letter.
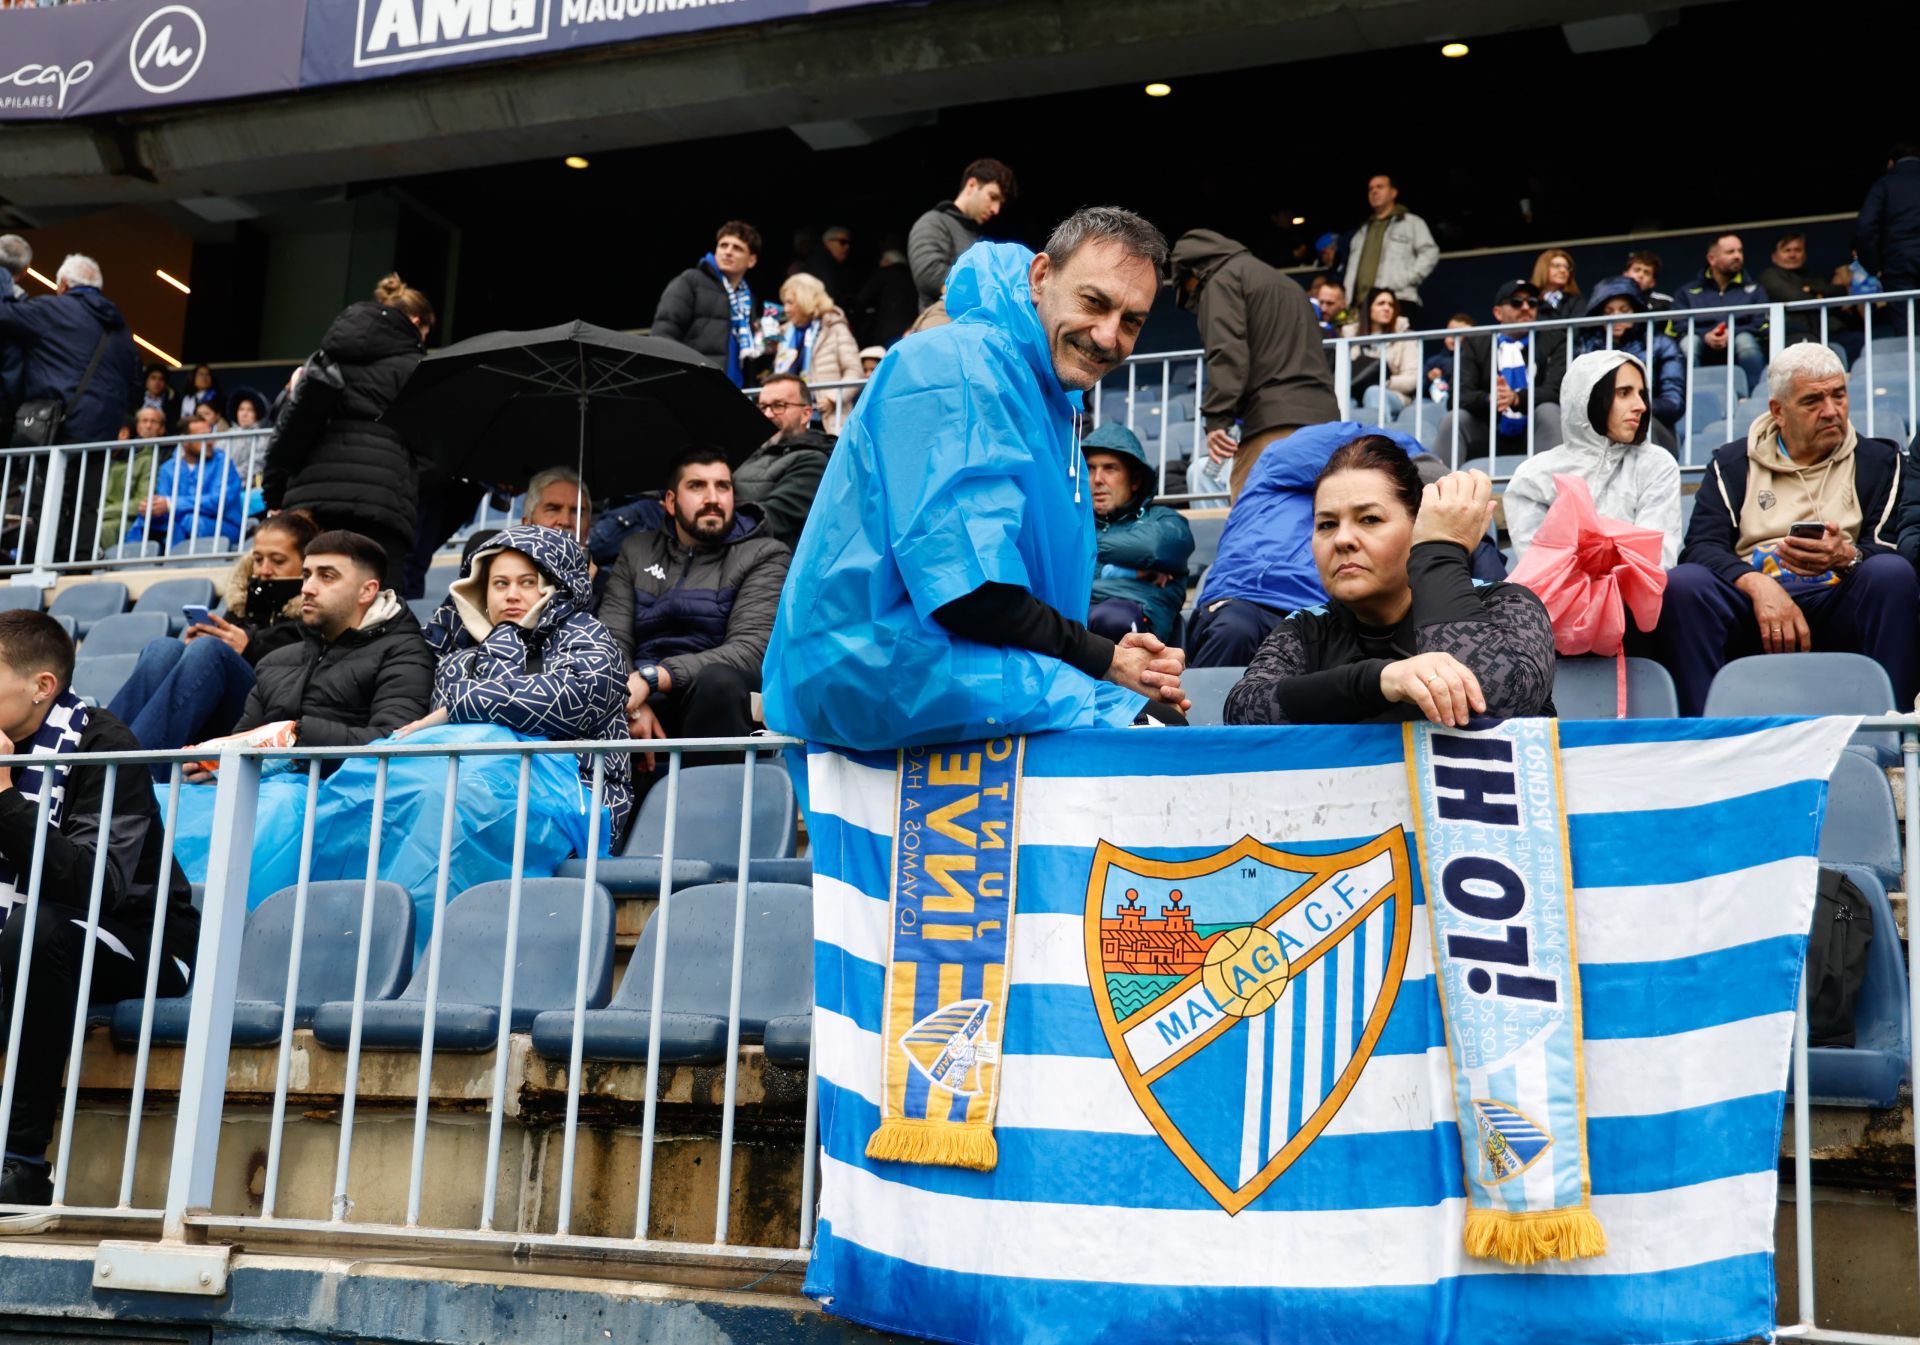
x: 1522, y: 1238
x: 915, y: 1140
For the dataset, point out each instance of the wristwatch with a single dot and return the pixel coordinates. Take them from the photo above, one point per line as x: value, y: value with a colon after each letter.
x: 650, y: 674
x: 1851, y: 565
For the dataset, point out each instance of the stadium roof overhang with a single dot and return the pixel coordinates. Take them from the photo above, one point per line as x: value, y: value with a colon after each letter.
x: 834, y: 77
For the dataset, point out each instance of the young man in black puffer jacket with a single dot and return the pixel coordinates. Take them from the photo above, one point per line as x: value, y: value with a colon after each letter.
x: 330, y: 455
x: 691, y: 605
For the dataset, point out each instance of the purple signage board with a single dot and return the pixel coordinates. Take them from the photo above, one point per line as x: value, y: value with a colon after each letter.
x: 350, y: 40
x: 132, y: 55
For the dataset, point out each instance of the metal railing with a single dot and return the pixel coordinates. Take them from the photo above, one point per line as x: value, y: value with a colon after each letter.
x: 187, y: 1210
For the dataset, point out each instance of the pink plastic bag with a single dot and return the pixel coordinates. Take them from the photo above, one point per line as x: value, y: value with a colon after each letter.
x: 1589, y: 571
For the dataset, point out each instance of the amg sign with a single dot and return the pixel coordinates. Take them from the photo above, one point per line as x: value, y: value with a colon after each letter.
x: 390, y: 31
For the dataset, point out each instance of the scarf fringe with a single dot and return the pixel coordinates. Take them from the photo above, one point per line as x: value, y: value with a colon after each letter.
x: 907, y: 1139
x: 1521, y: 1238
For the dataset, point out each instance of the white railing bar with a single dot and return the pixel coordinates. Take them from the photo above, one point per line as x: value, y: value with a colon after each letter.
x: 504, y: 1047
x: 643, y: 1199
x: 1910, y: 782
x: 576, y: 1083
x: 163, y: 894
x: 21, y: 973
x: 77, y: 1043
x: 1802, y: 1159
x: 729, y: 1100
x: 290, y: 1008
x: 810, y: 1140
x: 417, y: 1167
x: 351, y: 1085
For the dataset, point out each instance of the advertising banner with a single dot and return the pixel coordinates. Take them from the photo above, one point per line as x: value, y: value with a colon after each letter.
x: 131, y: 55
x: 350, y: 40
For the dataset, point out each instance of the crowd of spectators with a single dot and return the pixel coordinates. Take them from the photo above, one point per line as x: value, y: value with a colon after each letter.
x: 1357, y: 577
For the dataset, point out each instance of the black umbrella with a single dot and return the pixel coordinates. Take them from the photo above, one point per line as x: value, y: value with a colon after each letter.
x: 620, y: 409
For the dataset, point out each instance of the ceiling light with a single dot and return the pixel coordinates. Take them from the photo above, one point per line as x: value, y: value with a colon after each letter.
x: 42, y: 279
x: 171, y: 281
x: 575, y: 161
x: 1454, y: 49
x: 141, y: 340
x: 1299, y: 219
x: 1157, y: 90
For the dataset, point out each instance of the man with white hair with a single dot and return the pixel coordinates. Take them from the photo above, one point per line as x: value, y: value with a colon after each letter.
x: 78, y: 355
x: 1792, y: 543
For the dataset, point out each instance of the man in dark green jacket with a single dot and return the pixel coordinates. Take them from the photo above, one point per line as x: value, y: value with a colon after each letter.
x: 1141, y: 564
x: 782, y: 475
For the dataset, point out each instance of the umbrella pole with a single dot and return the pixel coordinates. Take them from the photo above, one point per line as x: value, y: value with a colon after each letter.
x: 580, y: 468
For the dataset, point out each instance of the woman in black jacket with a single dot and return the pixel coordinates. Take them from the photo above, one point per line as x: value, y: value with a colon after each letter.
x: 1406, y: 633
x: 39, y: 714
x: 330, y: 455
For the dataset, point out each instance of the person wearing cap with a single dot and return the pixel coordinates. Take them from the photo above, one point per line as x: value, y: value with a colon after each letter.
x: 1140, y: 564
x: 1509, y: 391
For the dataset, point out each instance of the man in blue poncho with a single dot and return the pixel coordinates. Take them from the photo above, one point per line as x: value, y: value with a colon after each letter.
x: 939, y: 592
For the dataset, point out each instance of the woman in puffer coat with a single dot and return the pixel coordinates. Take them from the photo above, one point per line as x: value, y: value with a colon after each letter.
x: 518, y: 646
x: 330, y: 455
x: 819, y: 345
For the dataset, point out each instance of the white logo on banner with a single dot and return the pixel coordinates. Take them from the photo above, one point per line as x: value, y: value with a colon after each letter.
x: 167, y: 49
x: 412, y: 30
x: 34, y: 76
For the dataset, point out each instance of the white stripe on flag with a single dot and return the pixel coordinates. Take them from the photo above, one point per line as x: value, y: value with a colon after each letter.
x: 1280, y: 1056
x: 1647, y: 1076
x: 858, y: 795
x: 1312, y: 990
x: 1637, y: 924
x: 851, y: 921
x: 1277, y: 807
x: 1251, y: 1157
x: 1309, y: 1249
x: 1343, y: 1006
x: 1639, y: 777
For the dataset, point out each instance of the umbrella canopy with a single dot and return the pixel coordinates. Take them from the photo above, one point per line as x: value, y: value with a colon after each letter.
x: 620, y: 409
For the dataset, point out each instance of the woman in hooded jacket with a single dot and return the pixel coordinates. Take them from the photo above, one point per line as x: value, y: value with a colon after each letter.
x: 330, y: 453
x: 518, y: 646
x: 1604, y: 407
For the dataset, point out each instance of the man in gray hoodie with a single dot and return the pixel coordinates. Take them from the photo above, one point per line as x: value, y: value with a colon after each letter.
x: 951, y: 227
x: 1265, y: 366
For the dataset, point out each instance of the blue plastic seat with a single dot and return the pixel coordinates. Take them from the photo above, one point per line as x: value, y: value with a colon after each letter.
x: 794, y: 871
x: 329, y: 954
x: 1588, y: 688
x: 1870, y: 1072
x: 423, y: 608
x: 215, y: 545
x: 788, y: 1040
x: 1207, y: 530
x: 68, y: 625
x: 1860, y: 826
x: 1820, y: 683
x: 1709, y: 402
x: 170, y: 595
x: 1207, y: 688
x: 97, y: 678
x: 1500, y: 465
x: 124, y: 633
x: 15, y: 596
x: 708, y: 833
x: 132, y: 551
x: 90, y: 602
x: 472, y: 959
x: 777, y: 979
x: 439, y: 579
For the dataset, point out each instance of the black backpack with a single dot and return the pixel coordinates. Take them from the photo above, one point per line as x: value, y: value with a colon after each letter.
x: 1836, y: 958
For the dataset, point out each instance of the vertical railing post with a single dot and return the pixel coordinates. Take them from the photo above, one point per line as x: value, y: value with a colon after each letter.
x: 216, y: 971
x: 1910, y: 779
x: 47, y: 523
x: 1343, y: 378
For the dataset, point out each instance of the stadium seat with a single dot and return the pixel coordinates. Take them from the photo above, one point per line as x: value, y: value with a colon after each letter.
x: 1860, y: 826
x: 15, y: 596
x: 472, y: 960
x: 1587, y: 688
x: 423, y: 608
x: 788, y: 1040
x: 97, y: 678
x: 68, y: 625
x: 1871, y: 1071
x: 90, y: 602
x: 170, y: 595
x: 439, y: 579
x: 798, y: 872
x: 1824, y: 683
x: 1207, y: 688
x: 329, y: 954
x: 1709, y: 403
x: 206, y: 546
x: 1686, y: 512
x: 1207, y: 531
x: 777, y: 980
x: 124, y: 633
x: 1709, y: 436
x: 1500, y: 465
x: 132, y: 551
x: 708, y: 833
x: 1182, y: 441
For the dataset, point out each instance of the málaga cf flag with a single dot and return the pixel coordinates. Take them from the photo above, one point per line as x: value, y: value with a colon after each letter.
x: 1132, y: 1035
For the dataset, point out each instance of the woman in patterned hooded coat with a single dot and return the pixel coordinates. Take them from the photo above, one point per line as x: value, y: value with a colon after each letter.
x: 518, y: 645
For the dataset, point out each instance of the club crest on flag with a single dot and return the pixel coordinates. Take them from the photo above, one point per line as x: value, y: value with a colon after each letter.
x: 1242, y: 993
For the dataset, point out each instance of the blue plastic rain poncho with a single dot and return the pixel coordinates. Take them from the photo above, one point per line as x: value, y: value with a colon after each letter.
x: 959, y: 467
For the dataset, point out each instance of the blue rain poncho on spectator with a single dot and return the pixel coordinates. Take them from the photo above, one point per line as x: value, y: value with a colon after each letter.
x: 959, y: 467
x: 483, y: 820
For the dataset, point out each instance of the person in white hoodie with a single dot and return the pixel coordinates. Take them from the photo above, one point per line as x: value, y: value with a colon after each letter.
x: 1605, y: 418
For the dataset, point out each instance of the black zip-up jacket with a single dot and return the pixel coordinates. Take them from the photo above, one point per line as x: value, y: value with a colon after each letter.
x: 1713, y: 534
x: 349, y: 691
x: 1322, y: 665
x: 133, y: 844
x: 1887, y: 235
x: 1474, y: 394
x: 330, y: 452
x: 695, y: 311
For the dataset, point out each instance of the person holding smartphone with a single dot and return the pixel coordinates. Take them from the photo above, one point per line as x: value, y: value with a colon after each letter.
x: 1792, y: 543
x: 192, y: 688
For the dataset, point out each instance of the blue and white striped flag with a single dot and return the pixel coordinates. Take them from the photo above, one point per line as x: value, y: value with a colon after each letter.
x: 1226, y: 1113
